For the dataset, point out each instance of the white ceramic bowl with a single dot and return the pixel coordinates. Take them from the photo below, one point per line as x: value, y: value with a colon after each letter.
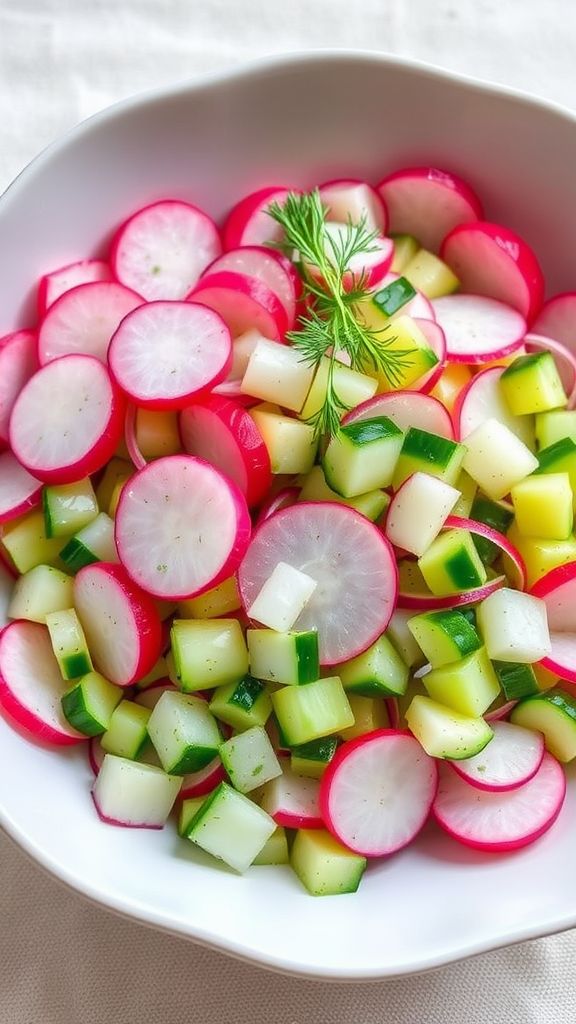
x: 296, y: 120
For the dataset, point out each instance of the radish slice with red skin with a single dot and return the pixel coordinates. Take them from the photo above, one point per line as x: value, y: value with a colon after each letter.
x: 557, y: 319
x: 500, y: 821
x: 478, y: 329
x: 121, y: 623
x: 349, y: 198
x: 181, y: 527
x: 18, y: 362
x: 31, y: 684
x: 418, y: 306
x: 249, y: 223
x: 19, y: 491
x: 84, y: 319
x: 293, y: 800
x: 165, y: 354
x: 428, y: 203
x: 482, y: 399
x: 511, y: 759
x: 502, y: 712
x: 436, y: 340
x: 52, y: 286
x: 370, y: 267
x: 406, y: 409
x: 68, y: 420
x: 563, y: 357
x: 351, y: 561
x: 243, y: 303
x: 558, y: 591
x: 225, y: 435
x: 96, y: 754
x: 270, y: 267
x: 204, y: 781
x: 376, y: 793
x: 286, y: 497
x: 499, y: 539
x: 489, y: 259
x: 162, y: 250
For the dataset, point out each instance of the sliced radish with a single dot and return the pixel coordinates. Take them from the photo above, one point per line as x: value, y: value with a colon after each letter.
x: 249, y: 223
x: 501, y: 712
x: 418, y: 306
x: 96, y: 754
x: 19, y: 491
x: 225, y: 435
x: 478, y: 329
x: 491, y: 260
x: 31, y: 683
x: 272, y: 268
x: 181, y: 527
x: 204, y: 781
x: 121, y: 623
x: 68, y: 420
x: 515, y: 564
x: 377, y: 791
x: 84, y: 320
x: 558, y: 591
x: 436, y: 340
x: 18, y: 361
x: 162, y: 249
x: 348, y: 199
x: 406, y: 409
x: 286, y: 497
x: 565, y: 360
x: 52, y: 286
x: 293, y: 801
x: 557, y: 319
x: 511, y: 759
x: 243, y: 302
x: 480, y: 400
x: 499, y: 821
x: 428, y: 203
x: 164, y: 354
x: 351, y: 561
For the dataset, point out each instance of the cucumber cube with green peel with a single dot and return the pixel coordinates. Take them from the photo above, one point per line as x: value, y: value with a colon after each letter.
x: 540, y: 554
x: 468, y: 489
x: 231, y: 827
x: 68, y: 507
x: 309, y: 712
x: 351, y: 386
x: 94, y: 543
x: 429, y: 453
x: 314, y: 488
x: 69, y: 643
x: 496, y: 514
x: 208, y: 653
x: 378, y: 672
x: 138, y: 795
x: 559, y: 458
x: 188, y: 811
x: 452, y: 564
x: 554, y: 715
x: 362, y: 456
x: 275, y: 849
x: 89, y: 704
x: 532, y: 384
x: 402, y: 639
x: 311, y: 759
x: 543, y: 506
x: 324, y: 866
x: 444, y: 732
x: 277, y: 374
x: 283, y: 657
x: 514, y: 626
x: 468, y: 686
x: 554, y: 426
x: 444, y: 636
x: 406, y: 341
x: 418, y: 512
x: 394, y: 296
x: 242, y: 705
x: 40, y: 591
x: 184, y: 733
x: 405, y: 247
x: 430, y: 275
x: 282, y: 597
x: 126, y: 734
x: 249, y: 759
x: 517, y: 681
x: 497, y: 459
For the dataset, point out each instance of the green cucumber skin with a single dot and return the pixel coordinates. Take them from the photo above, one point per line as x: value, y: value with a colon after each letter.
x: 395, y: 295
x: 78, y: 715
x: 192, y: 760
x: 321, y: 750
x: 48, y: 524
x: 197, y: 818
x: 522, y: 363
x: 76, y: 555
x: 307, y: 658
x: 548, y: 457
x: 246, y: 693
x: 428, y: 447
x: 491, y: 514
x: 76, y: 665
x: 380, y: 428
x: 462, y: 572
x: 517, y: 681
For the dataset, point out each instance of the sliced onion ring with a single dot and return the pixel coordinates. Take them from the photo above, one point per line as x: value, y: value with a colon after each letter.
x: 287, y: 496
x: 134, y: 452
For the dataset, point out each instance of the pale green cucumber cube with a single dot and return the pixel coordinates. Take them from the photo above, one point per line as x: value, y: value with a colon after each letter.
x: 40, y: 591
x: 554, y: 426
x: 351, y: 386
x: 184, y: 733
x: 532, y: 384
x: 402, y: 638
x: 275, y: 849
x: 429, y: 453
x: 308, y: 712
x: 311, y: 759
x: 68, y: 507
x: 277, y: 373
x: 208, y: 653
x: 405, y: 248
x: 314, y: 488
x: 141, y: 795
x: 394, y: 296
x: 94, y: 543
x: 69, y: 643
x: 452, y: 564
x: 469, y: 686
x: 27, y: 545
x: 188, y: 810
x: 126, y: 734
x: 362, y: 456
x: 231, y: 827
x: 497, y: 459
x: 430, y: 275
x: 324, y: 866
x: 514, y: 626
x: 517, y: 681
x: 559, y: 457
x: 249, y: 759
x: 89, y: 704
x: 378, y: 672
x: 554, y: 715
x: 468, y: 489
x: 242, y: 705
x: 283, y: 657
x: 444, y: 732
x: 291, y: 444
x: 444, y: 636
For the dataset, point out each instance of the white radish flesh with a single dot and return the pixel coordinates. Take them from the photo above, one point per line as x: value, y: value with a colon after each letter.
x: 18, y: 361
x: 406, y: 409
x: 19, y: 490
x: 511, y: 758
x: 428, y: 203
x: 51, y: 286
x: 84, y: 320
x: 477, y: 328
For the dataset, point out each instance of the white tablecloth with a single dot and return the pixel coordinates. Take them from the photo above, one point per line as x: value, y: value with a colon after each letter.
x: 62, y: 960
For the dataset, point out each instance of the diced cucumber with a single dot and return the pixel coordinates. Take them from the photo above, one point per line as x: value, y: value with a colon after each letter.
x: 559, y: 458
x: 242, y: 704
x: 283, y: 657
x: 158, y: 671
x: 430, y: 275
x: 323, y: 865
x: 118, y: 471
x: 393, y: 296
x: 402, y: 638
x: 311, y: 759
x: 554, y: 715
x: 406, y: 340
x: 514, y: 626
x: 138, y: 795
x: 429, y: 453
x: 282, y: 597
x: 278, y: 373
x: 451, y: 564
x: 362, y: 456
x: 68, y: 507
x: 555, y: 425
x: 351, y: 386
x: 446, y: 733
x: 532, y: 384
x: 308, y: 712
x: 370, y: 713
x: 184, y: 733
x: 208, y: 653
x: 496, y: 514
x: 468, y: 490
x: 188, y: 811
x: 94, y: 543
x: 415, y: 688
x: 405, y: 247
x: 468, y: 686
x: 418, y: 512
x: 40, y: 591
x: 69, y: 643
x: 27, y: 545
x: 231, y: 827
x: 221, y: 600
x: 275, y: 849
x: 378, y: 672
x: 516, y: 680
x: 249, y: 759
x: 497, y: 459
x: 126, y: 735
x: 543, y: 506
x: 88, y: 704
x: 157, y: 433
x: 314, y: 488
x: 291, y: 443
x: 444, y: 636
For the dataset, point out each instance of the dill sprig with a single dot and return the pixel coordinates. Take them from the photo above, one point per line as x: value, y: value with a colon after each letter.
x: 334, y: 322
